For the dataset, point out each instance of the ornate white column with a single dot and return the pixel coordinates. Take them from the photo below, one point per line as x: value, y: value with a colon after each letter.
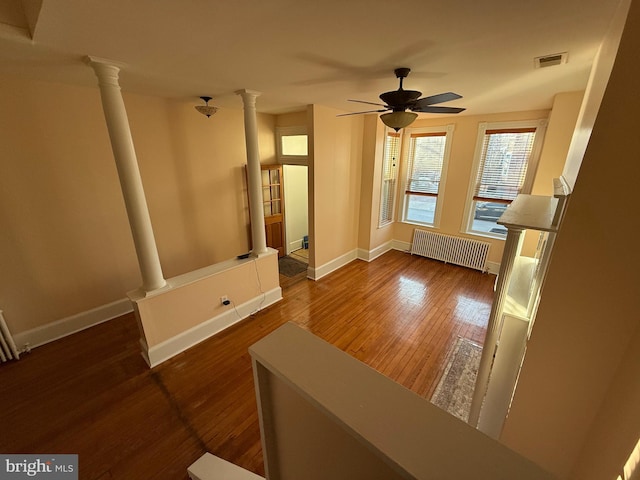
x: 254, y: 173
x: 128, y: 172
x: 511, y: 249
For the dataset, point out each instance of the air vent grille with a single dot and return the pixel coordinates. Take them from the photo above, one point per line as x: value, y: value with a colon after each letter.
x: 550, y: 60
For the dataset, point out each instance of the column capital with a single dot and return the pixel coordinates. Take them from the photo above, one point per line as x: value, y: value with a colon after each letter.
x: 246, y: 92
x: 248, y: 97
x: 107, y: 71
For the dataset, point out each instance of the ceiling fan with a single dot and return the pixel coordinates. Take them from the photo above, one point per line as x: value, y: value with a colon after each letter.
x: 401, y: 100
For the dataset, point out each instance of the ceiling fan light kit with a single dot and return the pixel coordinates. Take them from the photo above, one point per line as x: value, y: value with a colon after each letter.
x: 206, y: 109
x: 401, y: 100
x: 398, y: 120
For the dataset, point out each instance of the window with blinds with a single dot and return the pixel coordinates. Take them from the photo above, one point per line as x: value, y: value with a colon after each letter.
x: 505, y: 160
x: 389, y: 178
x: 427, y: 150
x: 503, y: 164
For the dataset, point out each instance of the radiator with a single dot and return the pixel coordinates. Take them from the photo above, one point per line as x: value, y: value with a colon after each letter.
x: 449, y: 249
x: 8, y: 350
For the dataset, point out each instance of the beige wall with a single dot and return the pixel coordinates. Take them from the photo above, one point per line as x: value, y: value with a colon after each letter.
x: 370, y: 235
x: 616, y: 429
x: 459, y: 174
x: 562, y: 123
x: 65, y: 245
x: 576, y: 404
x: 335, y: 170
x: 293, y: 119
x: 596, y: 86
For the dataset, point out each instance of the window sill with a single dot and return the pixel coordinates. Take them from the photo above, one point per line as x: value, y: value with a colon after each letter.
x: 417, y: 224
x: 484, y: 235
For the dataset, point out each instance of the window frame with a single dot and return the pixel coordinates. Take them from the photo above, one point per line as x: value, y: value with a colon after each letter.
x: 395, y: 169
x: 448, y: 131
x: 540, y: 126
x: 291, y: 159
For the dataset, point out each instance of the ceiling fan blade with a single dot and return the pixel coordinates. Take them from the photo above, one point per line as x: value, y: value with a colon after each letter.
x: 429, y: 109
x: 368, y: 103
x: 440, y: 98
x: 358, y: 113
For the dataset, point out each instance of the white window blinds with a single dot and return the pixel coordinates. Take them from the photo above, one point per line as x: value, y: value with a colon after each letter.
x: 426, y: 156
x: 503, y: 164
x: 389, y: 177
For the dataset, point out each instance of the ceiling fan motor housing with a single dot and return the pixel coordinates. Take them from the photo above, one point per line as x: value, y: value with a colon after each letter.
x: 400, y: 98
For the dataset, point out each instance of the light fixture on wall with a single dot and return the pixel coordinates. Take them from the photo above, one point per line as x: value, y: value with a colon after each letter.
x: 206, y: 109
x: 398, y: 120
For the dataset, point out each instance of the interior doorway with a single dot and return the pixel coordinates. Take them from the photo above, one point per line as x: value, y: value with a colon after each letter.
x: 296, y: 201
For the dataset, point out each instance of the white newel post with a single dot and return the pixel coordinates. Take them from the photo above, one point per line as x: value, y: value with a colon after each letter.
x: 511, y: 248
x: 254, y: 173
x: 129, y: 174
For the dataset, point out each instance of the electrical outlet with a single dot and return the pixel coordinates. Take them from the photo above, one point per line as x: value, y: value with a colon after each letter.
x: 224, y: 300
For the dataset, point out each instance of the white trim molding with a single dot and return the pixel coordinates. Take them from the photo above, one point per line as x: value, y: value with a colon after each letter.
x: 164, y: 351
x: 66, y: 326
x: 318, y: 272
x: 370, y: 255
x: 400, y: 245
x: 493, y: 267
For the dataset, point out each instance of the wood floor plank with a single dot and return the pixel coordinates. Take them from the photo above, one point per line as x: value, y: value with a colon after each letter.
x: 91, y: 393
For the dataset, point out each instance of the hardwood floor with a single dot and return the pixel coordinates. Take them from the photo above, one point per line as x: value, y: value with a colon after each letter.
x: 92, y: 394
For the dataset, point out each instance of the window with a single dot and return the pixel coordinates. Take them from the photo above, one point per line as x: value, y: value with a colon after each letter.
x: 427, y: 152
x: 389, y: 177
x: 506, y: 158
x: 292, y: 145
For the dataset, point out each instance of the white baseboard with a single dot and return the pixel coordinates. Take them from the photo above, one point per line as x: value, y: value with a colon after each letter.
x: 294, y: 245
x: 164, y: 351
x: 493, y: 267
x: 370, y: 255
x: 75, y: 323
x: 400, y: 245
x: 323, y: 270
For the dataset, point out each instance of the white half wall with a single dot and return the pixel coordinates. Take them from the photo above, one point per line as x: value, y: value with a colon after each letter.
x: 235, y: 313
x: 190, y: 308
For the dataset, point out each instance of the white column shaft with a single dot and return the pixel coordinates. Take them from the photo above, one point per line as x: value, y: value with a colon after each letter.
x: 129, y: 174
x: 254, y: 173
x: 511, y: 249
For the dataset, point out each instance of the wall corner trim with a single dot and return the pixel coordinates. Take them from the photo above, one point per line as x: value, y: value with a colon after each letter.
x: 333, y: 265
x: 370, y: 255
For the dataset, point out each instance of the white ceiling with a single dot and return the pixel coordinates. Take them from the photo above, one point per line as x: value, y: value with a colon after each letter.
x: 299, y: 52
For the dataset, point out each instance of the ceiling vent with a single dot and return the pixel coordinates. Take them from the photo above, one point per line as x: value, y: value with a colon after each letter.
x: 550, y: 60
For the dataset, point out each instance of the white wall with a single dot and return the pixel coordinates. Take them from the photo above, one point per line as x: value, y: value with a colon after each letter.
x: 296, y: 200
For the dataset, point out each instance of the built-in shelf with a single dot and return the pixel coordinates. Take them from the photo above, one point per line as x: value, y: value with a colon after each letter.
x: 515, y: 303
x: 534, y: 212
x: 522, y: 281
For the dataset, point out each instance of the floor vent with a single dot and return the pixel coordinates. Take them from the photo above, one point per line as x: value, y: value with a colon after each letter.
x: 8, y: 350
x: 450, y: 249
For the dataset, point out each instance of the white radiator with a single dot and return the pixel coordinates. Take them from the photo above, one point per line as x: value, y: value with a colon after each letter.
x: 8, y: 350
x: 449, y: 249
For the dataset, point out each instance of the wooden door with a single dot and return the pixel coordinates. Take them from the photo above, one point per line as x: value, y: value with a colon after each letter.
x: 273, y: 207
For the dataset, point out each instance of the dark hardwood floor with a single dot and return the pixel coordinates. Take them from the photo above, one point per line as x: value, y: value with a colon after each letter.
x: 92, y: 394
